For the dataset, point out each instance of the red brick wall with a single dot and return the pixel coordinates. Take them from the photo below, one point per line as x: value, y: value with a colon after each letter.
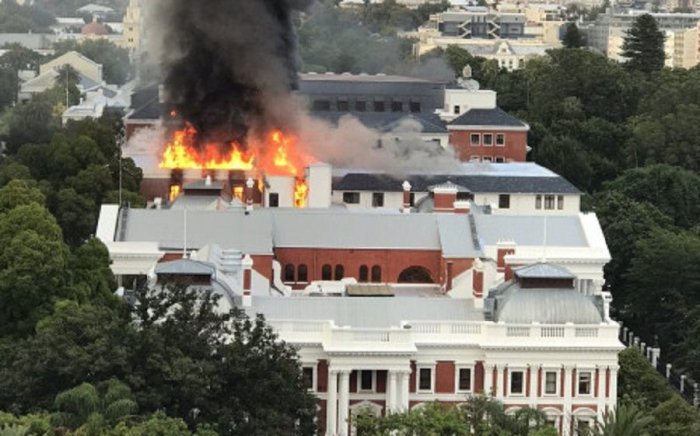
x: 322, y: 376
x: 444, y: 202
x: 381, y: 381
x: 515, y: 149
x: 412, y: 378
x: 445, y: 377
x: 479, y: 377
x: 392, y: 262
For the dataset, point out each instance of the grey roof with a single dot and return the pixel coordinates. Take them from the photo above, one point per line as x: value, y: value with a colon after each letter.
x: 387, y: 121
x: 529, y: 230
x: 185, y: 267
x: 543, y: 271
x: 329, y: 229
x: 475, y: 183
x: 368, y: 312
x: 487, y: 117
x: 230, y: 229
x: 546, y: 306
x: 456, y: 237
x: 32, y: 41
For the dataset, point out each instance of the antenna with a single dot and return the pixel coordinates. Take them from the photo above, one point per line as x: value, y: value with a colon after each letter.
x: 184, y: 234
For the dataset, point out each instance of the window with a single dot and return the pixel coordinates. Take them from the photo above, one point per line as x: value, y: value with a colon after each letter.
x: 378, y: 199
x: 583, y: 426
x: 351, y: 197
x: 475, y: 159
x: 308, y: 377
x: 456, y: 110
x: 365, y: 381
x: 361, y: 106
x: 488, y: 139
x: 326, y: 271
x: 364, y: 274
x: 302, y: 273
x: 339, y: 272
x: 486, y: 159
x: 475, y: 139
x: 538, y: 202
x: 549, y: 202
x: 376, y: 274
x: 379, y: 106
x: 396, y: 106
x: 425, y: 379
x: 584, y: 383
x: 274, y: 199
x: 517, y: 382
x: 414, y: 106
x: 343, y: 105
x: 504, y: 201
x: 560, y: 202
x: 289, y: 273
x: 464, y: 379
x: 500, y: 159
x: 550, y: 382
x: 321, y: 105
x: 500, y: 139
x: 412, y: 199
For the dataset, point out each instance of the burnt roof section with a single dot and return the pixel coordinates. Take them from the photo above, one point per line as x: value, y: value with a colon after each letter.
x: 387, y: 121
x: 475, y: 183
x: 487, y: 117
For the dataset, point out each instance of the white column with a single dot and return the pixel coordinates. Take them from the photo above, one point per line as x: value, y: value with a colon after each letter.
x: 488, y: 380
x: 343, y: 402
x: 391, y: 392
x: 403, y: 402
x: 613, y: 387
x: 332, y: 404
x: 568, y: 396
x: 499, y: 382
x: 601, y: 393
x: 534, y: 384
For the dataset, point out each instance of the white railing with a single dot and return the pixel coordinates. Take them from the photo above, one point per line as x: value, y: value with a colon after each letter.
x: 437, y: 332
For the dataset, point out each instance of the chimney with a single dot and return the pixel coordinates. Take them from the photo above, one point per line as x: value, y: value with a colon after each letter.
x: 444, y: 197
x: 463, y: 207
x: 247, y: 264
x: 406, y: 197
x: 503, y: 249
x: 478, y: 283
x: 319, y: 177
x: 249, y: 185
x: 450, y: 272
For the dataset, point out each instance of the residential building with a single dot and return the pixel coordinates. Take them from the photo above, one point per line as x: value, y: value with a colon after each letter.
x: 89, y: 75
x: 97, y: 101
x: 608, y: 33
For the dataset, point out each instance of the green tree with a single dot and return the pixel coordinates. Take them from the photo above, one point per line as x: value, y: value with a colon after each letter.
x: 644, y: 45
x: 84, y: 407
x: 573, y: 38
x: 18, y: 193
x: 626, y: 420
x: 30, y: 122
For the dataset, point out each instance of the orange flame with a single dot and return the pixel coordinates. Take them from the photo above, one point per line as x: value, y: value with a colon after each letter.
x: 181, y: 153
x: 301, y: 190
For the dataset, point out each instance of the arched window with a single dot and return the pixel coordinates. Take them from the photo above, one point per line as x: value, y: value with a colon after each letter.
x: 364, y: 274
x: 302, y: 273
x: 415, y: 274
x: 339, y: 272
x: 376, y: 273
x: 289, y: 272
x: 326, y: 272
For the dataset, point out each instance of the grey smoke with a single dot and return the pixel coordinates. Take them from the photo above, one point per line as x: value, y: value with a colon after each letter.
x: 223, y: 60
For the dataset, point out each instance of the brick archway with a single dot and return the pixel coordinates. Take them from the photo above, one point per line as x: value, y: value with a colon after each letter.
x: 415, y: 274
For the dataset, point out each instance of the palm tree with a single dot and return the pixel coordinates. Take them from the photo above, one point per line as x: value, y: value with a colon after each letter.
x: 627, y: 420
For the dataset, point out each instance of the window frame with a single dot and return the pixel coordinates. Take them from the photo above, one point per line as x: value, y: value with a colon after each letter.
x: 478, y: 139
x: 358, y: 381
x: 314, y: 376
x: 354, y: 194
x: 377, y: 199
x: 338, y: 272
x: 550, y: 201
x: 484, y: 142
x: 538, y: 202
x: 363, y: 278
x: 326, y: 268
x: 345, y: 103
x: 504, y: 199
x: 420, y: 368
x: 502, y: 137
x: 557, y: 376
x: 560, y: 202
x: 579, y: 373
x: 360, y: 105
x: 396, y: 106
x: 376, y: 105
x: 302, y: 268
x: 375, y: 278
x: 523, y: 386
x: 289, y: 268
x: 273, y: 199
x: 458, y: 369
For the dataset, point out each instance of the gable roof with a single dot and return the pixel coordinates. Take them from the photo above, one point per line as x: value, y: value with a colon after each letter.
x: 487, y: 117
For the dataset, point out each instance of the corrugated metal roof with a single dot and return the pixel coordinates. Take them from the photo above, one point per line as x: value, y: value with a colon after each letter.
x: 456, y: 237
x: 367, y: 312
x: 548, y: 306
x: 185, y: 267
x: 562, y: 231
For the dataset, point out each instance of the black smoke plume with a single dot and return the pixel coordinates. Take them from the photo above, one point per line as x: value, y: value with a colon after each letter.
x: 226, y: 62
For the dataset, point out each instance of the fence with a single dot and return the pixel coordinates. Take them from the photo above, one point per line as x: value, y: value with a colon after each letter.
x: 687, y: 387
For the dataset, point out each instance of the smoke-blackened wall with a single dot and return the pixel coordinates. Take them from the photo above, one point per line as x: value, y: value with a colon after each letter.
x: 225, y: 61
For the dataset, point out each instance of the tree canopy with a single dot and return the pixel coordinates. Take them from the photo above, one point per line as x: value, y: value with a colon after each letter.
x: 644, y: 45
